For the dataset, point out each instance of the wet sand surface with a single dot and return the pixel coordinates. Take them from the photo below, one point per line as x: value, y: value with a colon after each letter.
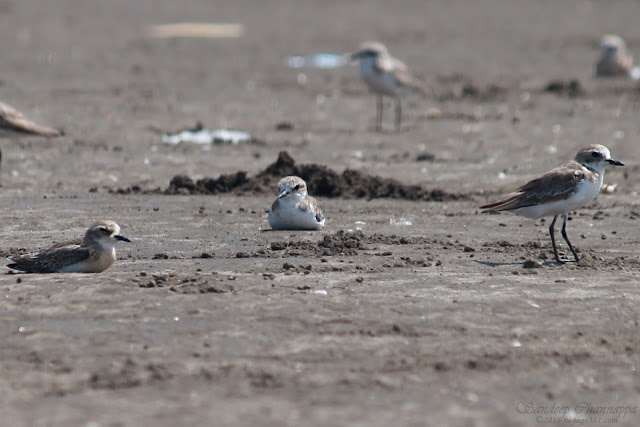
x: 399, y: 311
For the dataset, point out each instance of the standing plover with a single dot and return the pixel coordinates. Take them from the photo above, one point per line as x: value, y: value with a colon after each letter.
x: 614, y: 59
x: 93, y: 254
x: 385, y: 76
x: 294, y: 209
x: 559, y: 191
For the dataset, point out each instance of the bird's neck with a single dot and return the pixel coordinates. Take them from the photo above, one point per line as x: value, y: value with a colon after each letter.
x: 368, y: 65
x: 599, y: 169
x: 293, y: 198
x: 99, y: 244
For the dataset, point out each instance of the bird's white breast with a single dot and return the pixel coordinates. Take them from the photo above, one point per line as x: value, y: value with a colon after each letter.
x: 382, y: 82
x: 290, y: 216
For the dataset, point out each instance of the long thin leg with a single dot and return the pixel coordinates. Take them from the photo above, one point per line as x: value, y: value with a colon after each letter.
x: 553, y: 239
x: 379, y: 107
x: 566, y: 238
x: 398, y: 114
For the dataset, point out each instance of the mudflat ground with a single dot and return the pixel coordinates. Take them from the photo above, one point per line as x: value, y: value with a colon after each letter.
x: 399, y: 312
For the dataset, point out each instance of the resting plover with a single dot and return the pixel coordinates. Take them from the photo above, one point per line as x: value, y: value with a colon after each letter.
x: 294, y: 209
x: 13, y: 121
x: 614, y: 59
x: 93, y: 254
x: 560, y: 191
x: 385, y: 76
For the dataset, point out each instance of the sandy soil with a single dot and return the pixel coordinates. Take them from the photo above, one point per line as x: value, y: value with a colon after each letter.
x: 399, y: 312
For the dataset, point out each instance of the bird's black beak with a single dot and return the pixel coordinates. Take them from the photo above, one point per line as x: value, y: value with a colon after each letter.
x: 119, y: 237
x: 615, y: 162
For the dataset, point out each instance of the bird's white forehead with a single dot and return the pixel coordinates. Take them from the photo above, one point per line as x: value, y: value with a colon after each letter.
x: 611, y: 41
x: 109, y: 225
x: 600, y: 148
x: 290, y: 182
x: 373, y: 46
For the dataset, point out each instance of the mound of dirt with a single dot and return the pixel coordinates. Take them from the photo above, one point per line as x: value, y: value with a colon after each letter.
x: 183, y: 285
x: 571, y: 87
x: 459, y: 87
x: 339, y: 243
x: 182, y: 184
x: 322, y: 181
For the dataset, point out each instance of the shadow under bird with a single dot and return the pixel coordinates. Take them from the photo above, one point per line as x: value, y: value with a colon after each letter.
x: 560, y: 191
x: 294, y: 209
x: 92, y: 254
x: 386, y: 76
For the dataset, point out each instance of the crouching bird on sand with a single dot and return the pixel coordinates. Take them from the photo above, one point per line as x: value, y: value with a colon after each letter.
x: 294, y: 209
x: 92, y: 254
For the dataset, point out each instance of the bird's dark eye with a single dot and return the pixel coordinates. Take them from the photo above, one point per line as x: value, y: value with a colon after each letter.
x: 297, y: 187
x: 104, y: 231
x: 596, y: 154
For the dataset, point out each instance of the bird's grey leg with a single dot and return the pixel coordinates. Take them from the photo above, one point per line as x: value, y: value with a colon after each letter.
x: 553, y: 239
x: 566, y: 238
x: 379, y: 107
x: 398, y: 114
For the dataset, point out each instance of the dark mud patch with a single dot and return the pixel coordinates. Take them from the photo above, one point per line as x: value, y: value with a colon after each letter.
x: 505, y: 246
x: 182, y: 184
x: 335, y: 244
x: 532, y: 254
x: 600, y: 261
x: 183, y: 285
x: 437, y: 114
x: 569, y: 87
x: 536, y: 255
x: 458, y: 87
x: 12, y: 252
x: 321, y: 181
x: 600, y: 88
x: 343, y: 243
x: 340, y: 243
x: 128, y: 373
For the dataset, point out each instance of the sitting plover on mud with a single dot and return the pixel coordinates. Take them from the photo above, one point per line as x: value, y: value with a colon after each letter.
x: 560, y: 191
x: 294, y: 209
x: 93, y: 254
x: 614, y: 60
x: 13, y: 121
x: 385, y: 76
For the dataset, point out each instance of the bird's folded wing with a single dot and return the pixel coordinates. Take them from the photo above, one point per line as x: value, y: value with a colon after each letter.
x: 557, y: 184
x: 51, y: 260
x: 69, y: 243
x: 309, y: 203
x: 401, y: 73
